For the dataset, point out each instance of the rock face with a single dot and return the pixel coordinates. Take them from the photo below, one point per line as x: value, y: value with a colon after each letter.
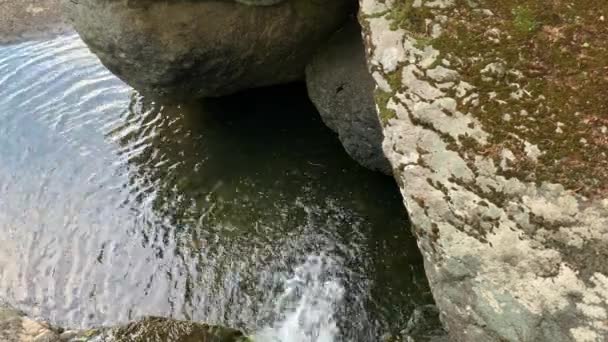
x: 184, y: 49
x: 497, y: 134
x: 343, y: 92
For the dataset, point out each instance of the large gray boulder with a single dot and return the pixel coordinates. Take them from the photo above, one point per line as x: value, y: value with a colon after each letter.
x: 184, y: 49
x: 497, y: 131
x: 343, y: 91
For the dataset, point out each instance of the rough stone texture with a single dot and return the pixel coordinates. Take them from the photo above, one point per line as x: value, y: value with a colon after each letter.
x: 16, y: 327
x: 497, y: 133
x: 162, y: 329
x: 343, y: 91
x: 30, y: 19
x: 185, y: 49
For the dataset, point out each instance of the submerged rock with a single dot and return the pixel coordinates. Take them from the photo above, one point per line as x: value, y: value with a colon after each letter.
x: 16, y: 327
x: 497, y: 133
x: 167, y: 330
x: 184, y: 49
x: 343, y: 91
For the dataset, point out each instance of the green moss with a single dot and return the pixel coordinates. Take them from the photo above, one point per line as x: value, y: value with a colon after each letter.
x: 423, y: 41
x: 404, y: 15
x: 382, y: 99
x: 559, y: 51
x: 524, y: 20
x: 399, y: 15
x: 394, y: 78
x: 555, y: 54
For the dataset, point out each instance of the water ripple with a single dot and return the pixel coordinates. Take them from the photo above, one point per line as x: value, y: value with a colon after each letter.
x: 113, y: 206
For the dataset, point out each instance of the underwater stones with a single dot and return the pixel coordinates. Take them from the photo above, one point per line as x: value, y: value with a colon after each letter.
x: 16, y: 327
x: 501, y: 158
x: 185, y: 49
x: 342, y: 90
x: 168, y: 330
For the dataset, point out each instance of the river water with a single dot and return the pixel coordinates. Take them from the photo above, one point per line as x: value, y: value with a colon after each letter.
x: 243, y: 211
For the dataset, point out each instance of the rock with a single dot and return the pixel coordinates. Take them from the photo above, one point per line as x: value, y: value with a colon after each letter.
x: 167, y: 330
x: 30, y: 19
x: 184, y: 49
x: 497, y: 136
x: 343, y: 91
x: 423, y: 323
x: 69, y: 335
x: 47, y: 336
x: 10, y: 324
x: 15, y: 327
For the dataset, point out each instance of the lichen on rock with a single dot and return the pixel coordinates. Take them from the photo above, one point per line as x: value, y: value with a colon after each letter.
x: 496, y: 132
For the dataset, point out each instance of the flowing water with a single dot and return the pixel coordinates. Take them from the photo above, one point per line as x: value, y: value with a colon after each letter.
x: 243, y: 211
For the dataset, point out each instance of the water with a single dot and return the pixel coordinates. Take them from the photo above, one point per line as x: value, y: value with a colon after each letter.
x: 243, y: 211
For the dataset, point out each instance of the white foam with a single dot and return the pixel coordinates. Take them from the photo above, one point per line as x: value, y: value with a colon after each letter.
x: 307, y: 306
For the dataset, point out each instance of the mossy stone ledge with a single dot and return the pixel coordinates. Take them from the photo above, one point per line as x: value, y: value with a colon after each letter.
x: 496, y: 127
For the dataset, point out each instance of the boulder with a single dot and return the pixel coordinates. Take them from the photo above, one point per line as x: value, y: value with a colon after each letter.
x: 343, y: 91
x: 497, y: 133
x: 183, y: 49
x: 168, y: 330
x: 16, y: 327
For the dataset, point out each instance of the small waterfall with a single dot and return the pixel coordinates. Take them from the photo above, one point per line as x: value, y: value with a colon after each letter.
x: 307, y: 306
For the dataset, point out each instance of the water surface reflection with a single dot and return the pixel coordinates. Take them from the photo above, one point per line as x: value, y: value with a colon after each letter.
x: 239, y: 211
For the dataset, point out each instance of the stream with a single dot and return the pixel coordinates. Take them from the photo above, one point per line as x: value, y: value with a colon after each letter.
x: 243, y: 211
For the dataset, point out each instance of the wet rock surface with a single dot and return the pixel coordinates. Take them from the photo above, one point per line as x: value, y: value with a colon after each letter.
x: 343, y: 91
x: 185, y: 49
x: 497, y: 136
x: 16, y: 327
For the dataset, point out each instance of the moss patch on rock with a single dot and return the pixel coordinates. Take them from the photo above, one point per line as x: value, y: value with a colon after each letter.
x: 545, y: 84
